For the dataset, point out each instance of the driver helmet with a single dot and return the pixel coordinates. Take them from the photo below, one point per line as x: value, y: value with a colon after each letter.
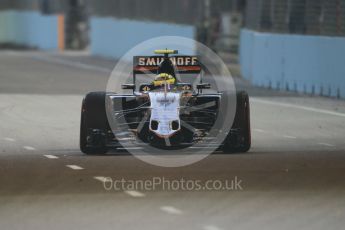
x: 163, y: 78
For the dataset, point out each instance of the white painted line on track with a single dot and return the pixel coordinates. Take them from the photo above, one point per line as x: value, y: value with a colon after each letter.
x: 211, y: 227
x: 290, y: 137
x: 171, y: 210
x: 259, y: 130
x: 9, y: 139
x: 134, y: 193
x: 79, y: 65
x: 326, y: 144
x: 287, y: 105
x: 29, y: 148
x: 74, y: 167
x: 102, y: 178
x: 50, y: 156
x: 57, y: 60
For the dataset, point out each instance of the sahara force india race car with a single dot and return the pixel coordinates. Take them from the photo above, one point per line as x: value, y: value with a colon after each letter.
x: 164, y: 113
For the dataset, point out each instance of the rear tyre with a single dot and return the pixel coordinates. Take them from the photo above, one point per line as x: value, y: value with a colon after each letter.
x: 238, y: 139
x: 93, y: 116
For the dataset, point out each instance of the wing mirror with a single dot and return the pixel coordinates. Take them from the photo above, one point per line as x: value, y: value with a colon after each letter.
x: 203, y: 86
x: 128, y: 86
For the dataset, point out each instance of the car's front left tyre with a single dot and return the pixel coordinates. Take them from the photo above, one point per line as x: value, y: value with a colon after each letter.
x: 238, y: 140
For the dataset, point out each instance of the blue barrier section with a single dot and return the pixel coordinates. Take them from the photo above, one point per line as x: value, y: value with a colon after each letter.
x: 113, y: 37
x: 310, y: 64
x: 29, y: 28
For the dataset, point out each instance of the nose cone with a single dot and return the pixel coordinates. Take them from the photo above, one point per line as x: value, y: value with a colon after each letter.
x: 165, y: 120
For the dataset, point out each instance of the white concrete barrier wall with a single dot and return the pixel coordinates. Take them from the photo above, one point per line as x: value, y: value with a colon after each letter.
x: 312, y: 64
x: 29, y: 28
x: 113, y: 37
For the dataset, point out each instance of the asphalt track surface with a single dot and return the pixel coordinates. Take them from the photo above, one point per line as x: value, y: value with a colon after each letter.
x: 292, y: 178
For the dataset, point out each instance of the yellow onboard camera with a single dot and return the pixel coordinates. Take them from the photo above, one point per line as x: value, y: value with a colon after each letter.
x: 166, y: 51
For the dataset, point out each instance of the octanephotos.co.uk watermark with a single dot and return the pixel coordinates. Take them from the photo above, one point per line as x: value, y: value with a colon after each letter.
x: 165, y: 184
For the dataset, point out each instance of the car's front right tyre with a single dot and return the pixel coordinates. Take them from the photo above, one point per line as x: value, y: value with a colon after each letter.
x: 93, y: 117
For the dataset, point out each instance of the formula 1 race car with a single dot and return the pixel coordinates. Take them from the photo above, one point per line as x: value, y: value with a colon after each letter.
x: 165, y: 113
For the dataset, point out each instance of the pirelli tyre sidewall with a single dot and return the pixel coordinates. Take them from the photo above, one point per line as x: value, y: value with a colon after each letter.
x: 93, y: 116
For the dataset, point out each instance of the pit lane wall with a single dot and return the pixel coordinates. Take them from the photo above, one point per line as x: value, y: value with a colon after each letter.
x: 29, y: 28
x: 309, y: 64
x: 112, y: 37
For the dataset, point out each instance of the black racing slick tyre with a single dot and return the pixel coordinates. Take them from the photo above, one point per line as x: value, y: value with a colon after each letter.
x: 238, y: 139
x: 93, y: 117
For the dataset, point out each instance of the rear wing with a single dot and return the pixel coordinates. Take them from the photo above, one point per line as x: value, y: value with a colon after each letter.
x: 149, y: 64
